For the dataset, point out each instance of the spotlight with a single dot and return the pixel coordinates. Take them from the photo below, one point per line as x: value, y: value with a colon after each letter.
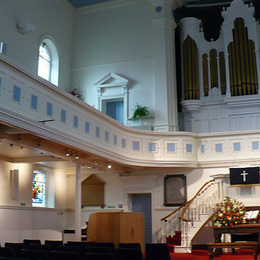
x: 77, y: 157
x: 109, y: 166
x: 67, y: 154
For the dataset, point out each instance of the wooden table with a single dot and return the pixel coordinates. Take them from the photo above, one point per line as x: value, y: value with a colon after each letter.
x: 237, y: 229
x: 248, y: 245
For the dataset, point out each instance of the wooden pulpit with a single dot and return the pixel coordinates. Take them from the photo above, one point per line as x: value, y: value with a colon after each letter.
x: 117, y: 227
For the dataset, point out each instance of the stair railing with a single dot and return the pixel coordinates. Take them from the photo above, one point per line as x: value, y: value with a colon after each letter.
x: 182, y: 218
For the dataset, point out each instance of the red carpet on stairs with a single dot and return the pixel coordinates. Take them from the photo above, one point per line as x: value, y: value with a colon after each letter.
x: 203, y: 255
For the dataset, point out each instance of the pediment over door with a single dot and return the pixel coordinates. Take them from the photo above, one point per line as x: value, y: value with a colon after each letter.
x: 111, y: 80
x: 113, y: 88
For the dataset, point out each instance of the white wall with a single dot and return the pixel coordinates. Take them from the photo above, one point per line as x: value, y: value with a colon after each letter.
x: 116, y: 38
x: 18, y: 222
x: 118, y: 188
x: 50, y: 18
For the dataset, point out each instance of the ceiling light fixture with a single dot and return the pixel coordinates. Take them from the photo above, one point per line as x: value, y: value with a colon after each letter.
x: 77, y: 157
x: 96, y: 163
x: 67, y: 154
x: 109, y: 166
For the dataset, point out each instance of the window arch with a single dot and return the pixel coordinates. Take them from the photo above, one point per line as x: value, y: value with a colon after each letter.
x: 48, y: 61
x: 39, y: 189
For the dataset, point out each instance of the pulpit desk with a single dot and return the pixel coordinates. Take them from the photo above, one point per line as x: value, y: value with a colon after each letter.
x: 237, y: 229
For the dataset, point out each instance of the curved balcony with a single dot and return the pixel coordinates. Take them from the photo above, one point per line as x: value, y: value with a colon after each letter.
x: 61, y: 121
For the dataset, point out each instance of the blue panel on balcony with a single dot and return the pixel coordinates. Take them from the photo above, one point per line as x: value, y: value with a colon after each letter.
x: 255, y: 145
x: 218, y: 148
x: 152, y: 147
x: 16, y: 93
x: 123, y: 143
x: 202, y: 148
x: 136, y: 146
x: 75, y: 121
x: 97, y: 132
x: 34, y: 102
x: 49, y: 109
x: 171, y: 147
x: 115, y: 140
x: 87, y: 127
x: 188, y: 148
x: 106, y: 136
x: 63, y: 116
x: 237, y: 147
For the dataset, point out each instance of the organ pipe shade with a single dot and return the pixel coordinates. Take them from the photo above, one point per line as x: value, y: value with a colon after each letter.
x: 222, y: 72
x: 213, y: 68
x: 242, y: 62
x: 190, y: 69
x: 205, y: 74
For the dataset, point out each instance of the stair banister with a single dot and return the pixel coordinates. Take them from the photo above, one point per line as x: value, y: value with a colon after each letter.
x: 200, y: 191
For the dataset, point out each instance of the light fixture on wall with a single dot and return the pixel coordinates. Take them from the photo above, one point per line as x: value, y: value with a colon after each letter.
x: 24, y: 27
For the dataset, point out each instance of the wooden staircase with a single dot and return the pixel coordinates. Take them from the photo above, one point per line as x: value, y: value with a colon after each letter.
x: 181, y: 225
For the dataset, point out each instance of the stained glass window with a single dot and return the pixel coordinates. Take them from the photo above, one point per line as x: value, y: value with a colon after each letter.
x: 38, y: 189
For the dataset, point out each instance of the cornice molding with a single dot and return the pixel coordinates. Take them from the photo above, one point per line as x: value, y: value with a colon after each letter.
x: 108, y: 5
x: 68, y: 6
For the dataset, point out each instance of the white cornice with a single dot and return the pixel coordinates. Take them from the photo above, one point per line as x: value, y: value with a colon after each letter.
x: 107, y: 5
x: 67, y: 5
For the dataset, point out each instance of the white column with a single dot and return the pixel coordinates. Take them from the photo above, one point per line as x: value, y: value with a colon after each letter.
x: 166, y: 114
x: 78, y: 203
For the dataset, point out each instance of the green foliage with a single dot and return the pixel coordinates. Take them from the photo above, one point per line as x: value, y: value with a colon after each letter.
x: 140, y: 111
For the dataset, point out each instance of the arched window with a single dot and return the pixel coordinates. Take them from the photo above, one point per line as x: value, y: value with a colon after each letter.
x: 38, y: 189
x: 44, y: 64
x: 48, y: 62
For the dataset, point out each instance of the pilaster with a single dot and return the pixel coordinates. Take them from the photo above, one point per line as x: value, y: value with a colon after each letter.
x: 166, y: 114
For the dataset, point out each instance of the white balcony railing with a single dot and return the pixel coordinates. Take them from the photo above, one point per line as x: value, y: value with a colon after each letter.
x: 26, y: 99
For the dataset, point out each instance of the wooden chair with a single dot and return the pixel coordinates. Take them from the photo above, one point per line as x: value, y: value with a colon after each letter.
x: 7, y: 252
x: 61, y: 255
x: 99, y: 256
x: 53, y: 243
x: 129, y: 253
x: 157, y: 251
x: 27, y: 242
x: 16, y: 246
x: 129, y: 245
x: 34, y: 254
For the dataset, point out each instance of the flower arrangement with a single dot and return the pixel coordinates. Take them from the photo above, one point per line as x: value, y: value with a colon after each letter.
x: 75, y: 93
x: 229, y: 212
